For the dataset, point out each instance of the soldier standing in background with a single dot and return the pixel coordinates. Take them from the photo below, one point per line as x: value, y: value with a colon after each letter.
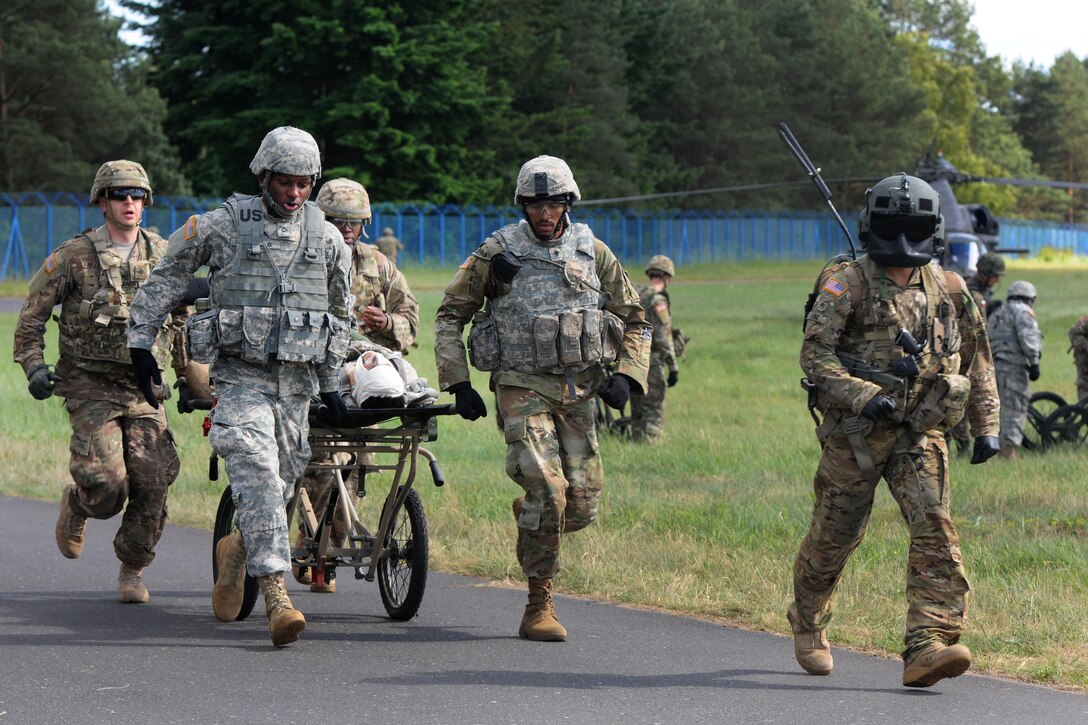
x: 389, y: 245
x: 1017, y: 345
x: 885, y: 399
x: 277, y: 330
x: 121, y: 448
x: 988, y: 273
x: 648, y: 411
x: 1078, y: 344
x: 545, y: 343
x: 386, y: 313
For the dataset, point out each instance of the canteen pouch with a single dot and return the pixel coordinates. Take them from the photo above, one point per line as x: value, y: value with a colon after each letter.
x: 483, y: 345
x: 945, y: 402
x: 545, y: 332
x: 201, y: 330
x: 570, y: 338
x: 591, y: 335
x: 257, y: 328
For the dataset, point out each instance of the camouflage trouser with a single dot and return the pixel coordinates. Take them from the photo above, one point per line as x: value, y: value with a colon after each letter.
x: 262, y: 440
x: 648, y: 411
x: 937, y: 585
x: 118, y: 453
x: 319, y: 483
x: 552, y: 453
x: 1015, y: 392
x: 1080, y: 359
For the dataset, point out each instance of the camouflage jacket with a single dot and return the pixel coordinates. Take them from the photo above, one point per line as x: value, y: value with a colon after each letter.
x: 390, y: 246
x: 981, y: 292
x: 473, y: 286
x: 70, y: 277
x: 376, y: 281
x: 1078, y: 336
x: 212, y: 240
x: 850, y: 321
x: 659, y: 314
x: 1014, y: 335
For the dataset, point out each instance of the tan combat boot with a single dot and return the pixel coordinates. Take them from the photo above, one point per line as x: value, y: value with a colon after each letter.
x: 285, y: 623
x: 539, y: 623
x: 810, y: 647
x: 130, y: 585
x: 301, y: 574
x: 71, y: 527
x: 935, y: 663
x: 1008, y: 452
x: 328, y: 587
x: 229, y: 589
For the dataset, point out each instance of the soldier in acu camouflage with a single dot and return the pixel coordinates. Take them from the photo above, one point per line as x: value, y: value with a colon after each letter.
x: 1078, y: 345
x: 276, y: 332
x: 386, y: 313
x: 648, y: 411
x: 896, y: 351
x: 559, y: 307
x: 122, y: 453
x: 1017, y: 345
x: 389, y: 245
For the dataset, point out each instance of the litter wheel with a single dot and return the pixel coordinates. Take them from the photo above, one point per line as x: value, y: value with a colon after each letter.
x: 1040, y: 406
x: 224, y: 525
x: 402, y: 571
x: 1066, y: 425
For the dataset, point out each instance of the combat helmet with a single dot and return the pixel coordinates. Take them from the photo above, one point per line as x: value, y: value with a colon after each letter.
x: 1021, y: 290
x: 344, y: 199
x: 121, y: 173
x: 991, y: 264
x: 287, y: 150
x: 901, y: 224
x: 546, y: 177
x: 661, y: 264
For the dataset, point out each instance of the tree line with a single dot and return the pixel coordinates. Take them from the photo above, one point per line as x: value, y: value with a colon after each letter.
x: 441, y: 101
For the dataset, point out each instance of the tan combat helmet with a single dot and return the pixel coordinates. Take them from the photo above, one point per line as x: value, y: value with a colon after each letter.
x: 287, y: 150
x: 661, y: 264
x: 544, y: 177
x: 120, y: 173
x: 387, y: 232
x: 344, y: 199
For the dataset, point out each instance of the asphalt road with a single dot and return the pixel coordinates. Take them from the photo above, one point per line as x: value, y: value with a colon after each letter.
x: 70, y: 652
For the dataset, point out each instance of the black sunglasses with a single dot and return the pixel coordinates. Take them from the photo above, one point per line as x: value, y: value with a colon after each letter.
x: 122, y: 192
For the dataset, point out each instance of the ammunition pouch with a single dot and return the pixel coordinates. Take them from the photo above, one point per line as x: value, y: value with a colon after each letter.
x: 944, y: 403
x: 483, y: 345
x: 203, y: 335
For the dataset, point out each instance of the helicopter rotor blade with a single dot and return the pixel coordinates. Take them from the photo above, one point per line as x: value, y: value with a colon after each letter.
x: 1050, y: 183
x: 720, y: 190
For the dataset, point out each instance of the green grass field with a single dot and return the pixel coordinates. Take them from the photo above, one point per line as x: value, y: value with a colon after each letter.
x: 708, y: 522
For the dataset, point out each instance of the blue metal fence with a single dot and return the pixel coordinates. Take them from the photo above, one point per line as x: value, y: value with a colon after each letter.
x: 33, y: 224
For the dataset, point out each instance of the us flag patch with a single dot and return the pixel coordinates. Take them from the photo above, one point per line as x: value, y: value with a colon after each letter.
x: 835, y: 287
x: 190, y: 227
x: 51, y: 263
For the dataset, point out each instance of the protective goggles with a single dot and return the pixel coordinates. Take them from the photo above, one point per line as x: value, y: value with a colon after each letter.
x: 120, y: 193
x: 341, y: 222
x: 916, y: 228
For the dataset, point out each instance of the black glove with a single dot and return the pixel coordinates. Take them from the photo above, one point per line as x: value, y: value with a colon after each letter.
x: 674, y: 376
x: 879, y: 408
x: 470, y: 405
x: 184, y: 395
x: 505, y: 265
x: 40, y: 382
x: 333, y: 408
x: 985, y: 449
x: 616, y: 391
x: 1034, y: 372
x: 146, y: 368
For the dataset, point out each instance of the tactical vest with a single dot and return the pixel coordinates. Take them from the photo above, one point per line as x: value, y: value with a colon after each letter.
x: 940, y: 355
x: 1004, y: 340
x: 550, y: 321
x: 266, y: 311
x: 93, y: 330
x: 366, y: 283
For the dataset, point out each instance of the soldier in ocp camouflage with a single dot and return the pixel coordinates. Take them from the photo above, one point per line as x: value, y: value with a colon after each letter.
x: 648, y: 411
x: 121, y: 451
x: 560, y: 307
x: 1017, y: 345
x: 389, y: 245
x: 276, y: 332
x: 879, y: 424
x: 988, y: 273
x: 1078, y: 344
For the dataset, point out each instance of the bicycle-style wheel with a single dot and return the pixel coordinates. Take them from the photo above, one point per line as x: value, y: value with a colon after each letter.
x: 224, y: 525
x: 1040, y: 406
x: 1066, y: 425
x: 402, y: 571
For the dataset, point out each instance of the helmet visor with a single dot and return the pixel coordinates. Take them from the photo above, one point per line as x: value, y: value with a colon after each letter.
x: 916, y: 228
